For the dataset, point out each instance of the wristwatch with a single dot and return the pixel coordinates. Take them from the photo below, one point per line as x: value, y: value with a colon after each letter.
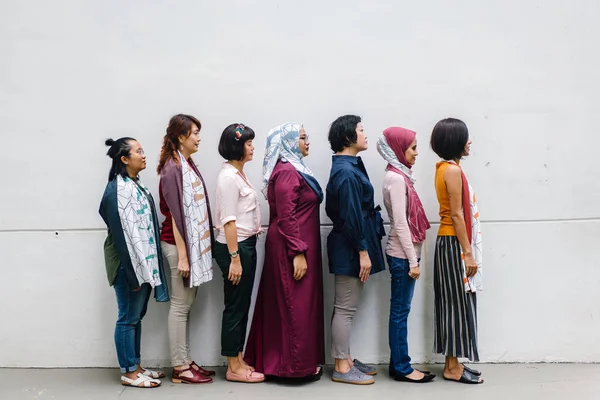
x: 234, y: 254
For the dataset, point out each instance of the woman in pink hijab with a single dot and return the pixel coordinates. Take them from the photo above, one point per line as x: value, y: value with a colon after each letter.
x: 408, y: 224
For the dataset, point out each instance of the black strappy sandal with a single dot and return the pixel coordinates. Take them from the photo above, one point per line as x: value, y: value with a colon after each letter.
x: 471, y: 370
x: 467, y: 377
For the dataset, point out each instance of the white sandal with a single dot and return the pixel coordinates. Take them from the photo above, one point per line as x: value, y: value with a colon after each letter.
x: 153, y: 374
x: 147, y: 382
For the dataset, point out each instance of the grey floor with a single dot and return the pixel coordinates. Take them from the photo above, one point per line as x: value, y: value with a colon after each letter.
x: 502, y: 381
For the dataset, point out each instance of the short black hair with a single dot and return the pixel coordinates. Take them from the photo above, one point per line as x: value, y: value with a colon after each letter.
x: 449, y: 138
x: 117, y: 149
x: 233, y: 139
x: 342, y: 132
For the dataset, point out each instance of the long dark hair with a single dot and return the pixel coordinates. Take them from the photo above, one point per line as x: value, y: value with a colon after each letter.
x: 117, y: 149
x: 179, y: 125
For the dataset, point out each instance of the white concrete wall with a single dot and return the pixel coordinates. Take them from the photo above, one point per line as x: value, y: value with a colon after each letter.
x: 522, y: 74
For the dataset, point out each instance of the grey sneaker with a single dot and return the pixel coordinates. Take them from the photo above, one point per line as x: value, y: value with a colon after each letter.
x: 365, y: 369
x: 354, y: 376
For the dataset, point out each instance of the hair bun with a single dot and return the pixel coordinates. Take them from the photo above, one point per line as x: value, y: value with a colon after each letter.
x: 109, y: 142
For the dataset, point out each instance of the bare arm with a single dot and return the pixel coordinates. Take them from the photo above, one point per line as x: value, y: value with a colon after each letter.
x: 231, y: 236
x: 228, y: 194
x: 453, y: 180
x: 235, y: 268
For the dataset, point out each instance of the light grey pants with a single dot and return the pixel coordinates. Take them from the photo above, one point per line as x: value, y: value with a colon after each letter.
x: 182, y: 299
x: 347, y: 295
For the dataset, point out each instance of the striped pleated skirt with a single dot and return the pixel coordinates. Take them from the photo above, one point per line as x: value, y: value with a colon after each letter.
x: 455, y: 309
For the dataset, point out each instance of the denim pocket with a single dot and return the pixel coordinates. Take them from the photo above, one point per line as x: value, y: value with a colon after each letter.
x: 398, y: 266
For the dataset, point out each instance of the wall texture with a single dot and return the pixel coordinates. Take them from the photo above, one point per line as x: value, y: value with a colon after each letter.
x: 522, y: 74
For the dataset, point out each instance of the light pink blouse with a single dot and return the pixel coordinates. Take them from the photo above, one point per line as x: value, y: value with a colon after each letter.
x: 237, y: 201
x: 399, y: 244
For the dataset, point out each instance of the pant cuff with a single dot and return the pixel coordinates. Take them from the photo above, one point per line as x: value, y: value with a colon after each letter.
x: 402, y: 371
x: 179, y: 362
x: 339, y: 356
x: 129, y: 369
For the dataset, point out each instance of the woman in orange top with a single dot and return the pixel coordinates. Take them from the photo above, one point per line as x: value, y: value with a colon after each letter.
x: 455, y: 308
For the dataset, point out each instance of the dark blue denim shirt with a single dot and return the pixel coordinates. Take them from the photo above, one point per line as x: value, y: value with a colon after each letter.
x: 357, y: 223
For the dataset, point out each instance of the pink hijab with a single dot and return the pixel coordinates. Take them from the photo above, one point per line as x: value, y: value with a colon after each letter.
x: 399, y: 140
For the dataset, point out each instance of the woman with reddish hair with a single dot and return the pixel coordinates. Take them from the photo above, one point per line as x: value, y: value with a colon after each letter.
x: 186, y: 238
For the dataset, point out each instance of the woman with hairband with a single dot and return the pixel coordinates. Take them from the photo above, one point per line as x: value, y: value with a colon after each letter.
x: 238, y: 223
x: 286, y: 336
x: 132, y: 255
x: 408, y: 225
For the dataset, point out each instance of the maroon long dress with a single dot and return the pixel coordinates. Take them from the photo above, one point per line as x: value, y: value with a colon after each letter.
x: 286, y: 336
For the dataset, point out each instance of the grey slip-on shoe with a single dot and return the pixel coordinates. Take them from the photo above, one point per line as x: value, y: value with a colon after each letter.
x: 364, y: 368
x: 354, y: 376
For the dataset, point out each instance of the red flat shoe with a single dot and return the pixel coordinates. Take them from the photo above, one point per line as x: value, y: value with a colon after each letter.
x: 199, y: 369
x: 197, y: 377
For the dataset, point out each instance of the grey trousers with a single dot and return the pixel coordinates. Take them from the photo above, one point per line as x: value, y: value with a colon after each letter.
x: 347, y: 295
x: 182, y: 299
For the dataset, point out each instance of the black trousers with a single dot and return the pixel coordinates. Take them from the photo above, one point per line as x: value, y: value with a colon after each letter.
x: 237, y: 297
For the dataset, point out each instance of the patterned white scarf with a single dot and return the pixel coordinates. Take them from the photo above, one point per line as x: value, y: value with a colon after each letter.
x: 138, y: 228
x: 283, y: 143
x: 195, y: 212
x: 474, y: 283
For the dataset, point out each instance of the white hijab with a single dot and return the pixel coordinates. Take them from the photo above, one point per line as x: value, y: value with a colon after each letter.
x: 283, y: 143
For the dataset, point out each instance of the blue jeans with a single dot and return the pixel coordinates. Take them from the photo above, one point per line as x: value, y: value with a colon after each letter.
x: 403, y: 287
x: 128, y: 331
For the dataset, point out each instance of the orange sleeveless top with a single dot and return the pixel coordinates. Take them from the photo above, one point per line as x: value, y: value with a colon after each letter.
x: 446, y: 227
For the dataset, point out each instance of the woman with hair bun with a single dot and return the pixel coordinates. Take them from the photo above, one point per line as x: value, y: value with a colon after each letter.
x: 132, y: 256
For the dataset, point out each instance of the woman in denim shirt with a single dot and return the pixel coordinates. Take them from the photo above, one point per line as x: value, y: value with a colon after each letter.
x: 354, y: 244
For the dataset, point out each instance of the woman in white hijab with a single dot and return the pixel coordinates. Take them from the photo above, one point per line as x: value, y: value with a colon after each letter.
x: 286, y: 336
